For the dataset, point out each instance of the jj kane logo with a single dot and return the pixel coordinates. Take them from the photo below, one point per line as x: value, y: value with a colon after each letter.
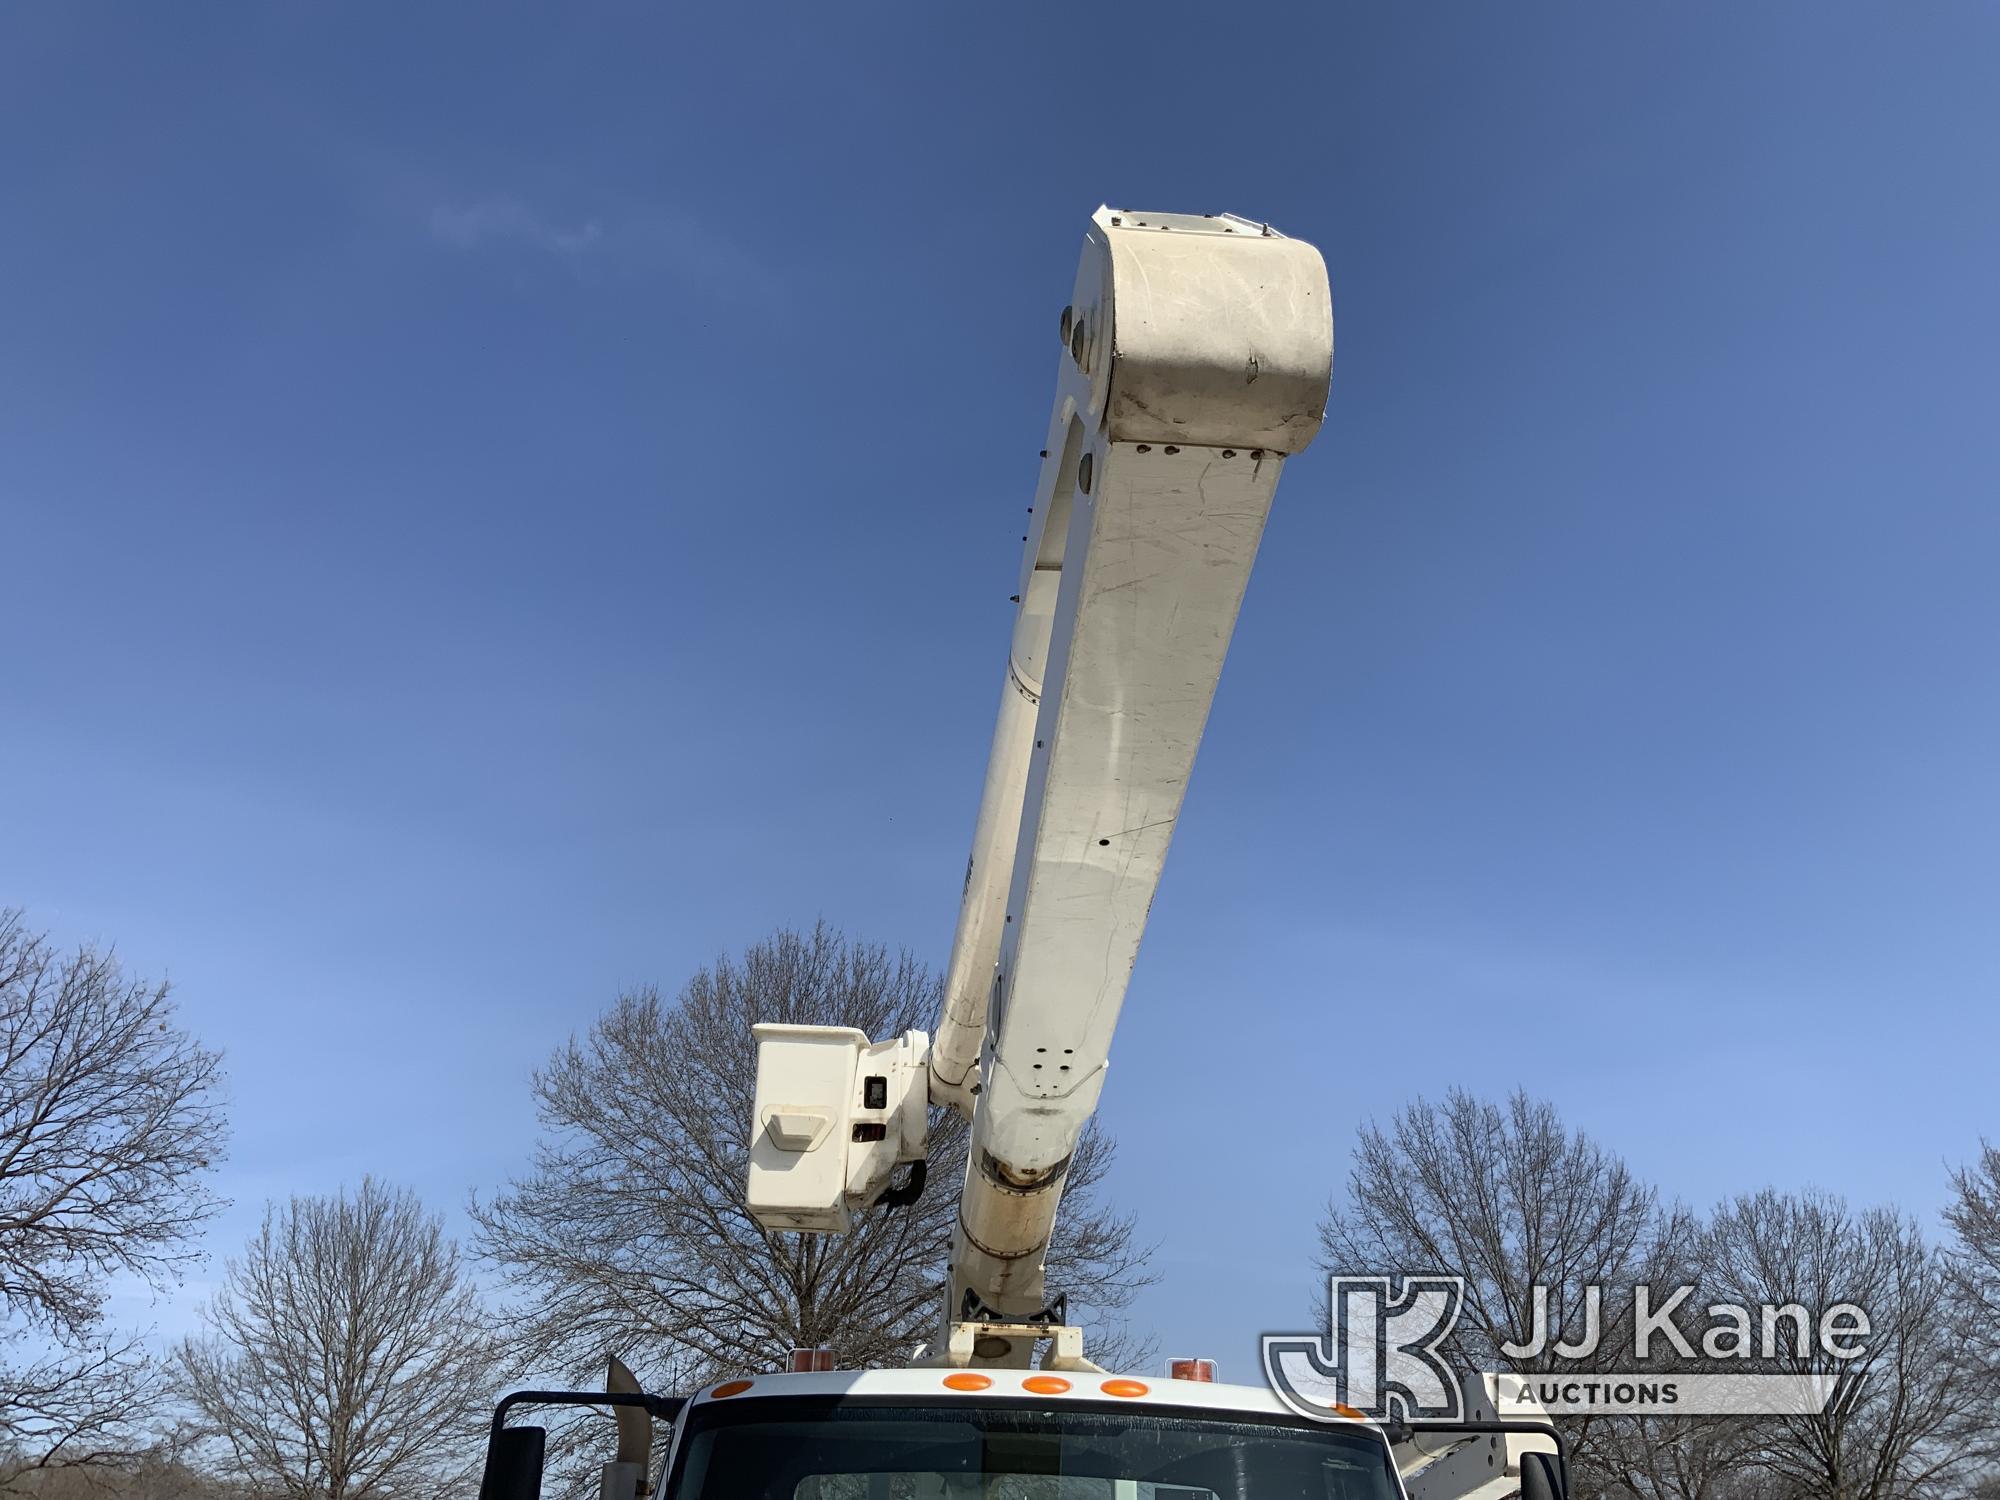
x: 1383, y: 1357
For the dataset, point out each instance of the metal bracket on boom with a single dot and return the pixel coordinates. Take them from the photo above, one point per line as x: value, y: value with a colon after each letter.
x: 1012, y: 1345
x: 980, y: 1336
x: 971, y: 1309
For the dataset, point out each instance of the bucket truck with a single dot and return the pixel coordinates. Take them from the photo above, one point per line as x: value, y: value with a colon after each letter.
x: 1195, y: 358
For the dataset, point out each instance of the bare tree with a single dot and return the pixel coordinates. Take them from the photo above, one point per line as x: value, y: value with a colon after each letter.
x: 1509, y: 1200
x: 109, y: 1125
x: 347, y: 1358
x: 1904, y: 1414
x: 155, y: 1473
x: 630, y: 1237
x: 1973, y: 1258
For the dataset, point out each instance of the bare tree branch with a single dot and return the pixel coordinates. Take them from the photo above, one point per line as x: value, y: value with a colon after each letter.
x: 348, y: 1358
x: 1904, y: 1416
x: 1972, y: 1259
x: 1509, y: 1200
x: 109, y: 1126
x: 629, y: 1236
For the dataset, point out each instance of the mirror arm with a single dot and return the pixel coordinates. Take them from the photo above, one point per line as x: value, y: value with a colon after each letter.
x: 1397, y: 1432
x: 500, y: 1437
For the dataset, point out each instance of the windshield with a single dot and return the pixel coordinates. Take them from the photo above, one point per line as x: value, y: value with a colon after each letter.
x: 828, y: 1450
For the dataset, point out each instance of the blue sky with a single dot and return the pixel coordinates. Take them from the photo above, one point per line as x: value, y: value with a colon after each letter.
x: 499, y: 504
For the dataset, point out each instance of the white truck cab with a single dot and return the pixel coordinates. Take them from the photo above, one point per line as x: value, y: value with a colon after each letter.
x: 938, y: 1433
x: 942, y: 1434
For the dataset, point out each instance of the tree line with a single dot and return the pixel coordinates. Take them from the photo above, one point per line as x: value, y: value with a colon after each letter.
x: 353, y: 1349
x: 1502, y: 1195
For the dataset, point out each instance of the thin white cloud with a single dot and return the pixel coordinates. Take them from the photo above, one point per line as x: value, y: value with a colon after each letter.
x: 505, y: 220
x: 633, y: 238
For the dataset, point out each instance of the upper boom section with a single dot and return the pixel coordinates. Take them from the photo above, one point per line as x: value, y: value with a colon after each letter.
x: 1186, y: 330
x: 1196, y: 356
x: 1197, y: 353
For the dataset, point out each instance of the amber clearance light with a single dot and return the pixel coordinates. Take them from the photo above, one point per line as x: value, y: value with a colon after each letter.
x: 1123, y: 1388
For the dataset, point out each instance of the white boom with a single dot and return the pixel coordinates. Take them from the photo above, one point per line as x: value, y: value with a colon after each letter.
x: 1196, y: 357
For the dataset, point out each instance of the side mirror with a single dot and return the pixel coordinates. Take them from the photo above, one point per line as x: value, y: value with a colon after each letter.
x: 514, y: 1458
x: 514, y: 1455
x: 1542, y: 1477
